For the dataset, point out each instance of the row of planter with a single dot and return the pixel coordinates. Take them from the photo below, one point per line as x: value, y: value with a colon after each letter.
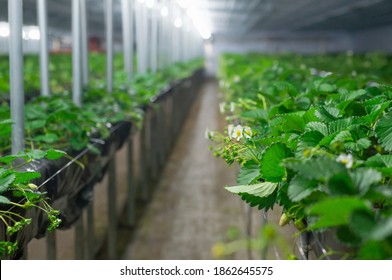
x: 68, y: 182
x: 313, y: 134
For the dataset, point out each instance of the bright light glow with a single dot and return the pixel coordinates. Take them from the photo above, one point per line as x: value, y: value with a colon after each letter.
x: 201, y: 22
x: 184, y: 3
x: 31, y: 33
x: 204, y: 33
x: 164, y: 11
x: 4, y: 29
x: 34, y: 34
x: 178, y: 22
x: 140, y: 1
x: 150, y: 3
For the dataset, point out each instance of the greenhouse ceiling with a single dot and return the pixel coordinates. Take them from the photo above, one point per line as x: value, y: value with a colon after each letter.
x: 233, y: 17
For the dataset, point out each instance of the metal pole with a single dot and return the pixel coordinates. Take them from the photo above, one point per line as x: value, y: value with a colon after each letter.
x: 127, y: 24
x: 145, y: 36
x: 112, y: 211
x: 79, y: 238
x: 154, y: 39
x: 109, y: 45
x: 84, y: 42
x: 44, y: 54
x: 139, y: 44
x: 15, y: 15
x: 76, y: 54
x: 51, y: 246
x: 131, y: 185
x: 90, y: 231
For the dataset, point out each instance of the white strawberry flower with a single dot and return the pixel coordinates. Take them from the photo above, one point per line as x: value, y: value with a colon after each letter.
x: 248, y: 132
x: 346, y: 159
x: 237, y: 132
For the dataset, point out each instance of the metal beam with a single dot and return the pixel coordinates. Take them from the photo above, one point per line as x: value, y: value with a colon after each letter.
x: 76, y: 54
x: 44, y: 54
x: 109, y: 45
x: 15, y: 15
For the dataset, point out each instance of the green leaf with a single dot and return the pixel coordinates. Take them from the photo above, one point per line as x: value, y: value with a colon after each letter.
x: 53, y: 154
x: 384, y: 131
x: 308, y: 140
x: 24, y: 177
x: 380, y: 161
x: 347, y: 237
x: 342, y: 136
x: 382, y: 230
x: 317, y: 126
x: 9, y: 159
x: 339, y: 125
x: 301, y: 188
x: 6, y: 181
x: 4, y: 200
x: 255, y: 115
x: 271, y: 168
x: 249, y: 172
x: 36, y: 154
x: 362, y: 223
x: 327, y: 114
x: 37, y: 124
x: 359, y: 145
x: 261, y: 189
x: 327, y: 87
x: 47, y: 138
x: 294, y: 123
x: 262, y: 195
x: 335, y: 211
x: 316, y: 169
x: 373, y: 250
x: 363, y: 178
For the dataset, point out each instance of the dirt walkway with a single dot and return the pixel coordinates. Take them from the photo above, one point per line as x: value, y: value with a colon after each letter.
x: 190, y: 210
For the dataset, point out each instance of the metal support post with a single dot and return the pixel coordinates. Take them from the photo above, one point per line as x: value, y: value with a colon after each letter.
x: 305, y: 244
x: 15, y: 15
x: 79, y: 239
x: 112, y: 210
x: 127, y: 25
x: 51, y: 248
x: 90, y: 231
x: 43, y: 52
x: 143, y: 159
x: 76, y: 54
x: 131, y: 217
x: 109, y: 45
x: 154, y: 145
x: 84, y: 42
x: 154, y: 40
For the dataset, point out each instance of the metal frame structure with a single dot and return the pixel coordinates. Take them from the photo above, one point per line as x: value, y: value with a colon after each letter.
x: 152, y: 31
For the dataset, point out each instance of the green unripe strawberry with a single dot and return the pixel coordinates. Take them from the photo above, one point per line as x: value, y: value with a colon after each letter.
x: 299, y: 224
x: 284, y: 220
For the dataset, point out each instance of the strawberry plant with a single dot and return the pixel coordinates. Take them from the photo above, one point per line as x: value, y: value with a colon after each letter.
x: 320, y: 143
